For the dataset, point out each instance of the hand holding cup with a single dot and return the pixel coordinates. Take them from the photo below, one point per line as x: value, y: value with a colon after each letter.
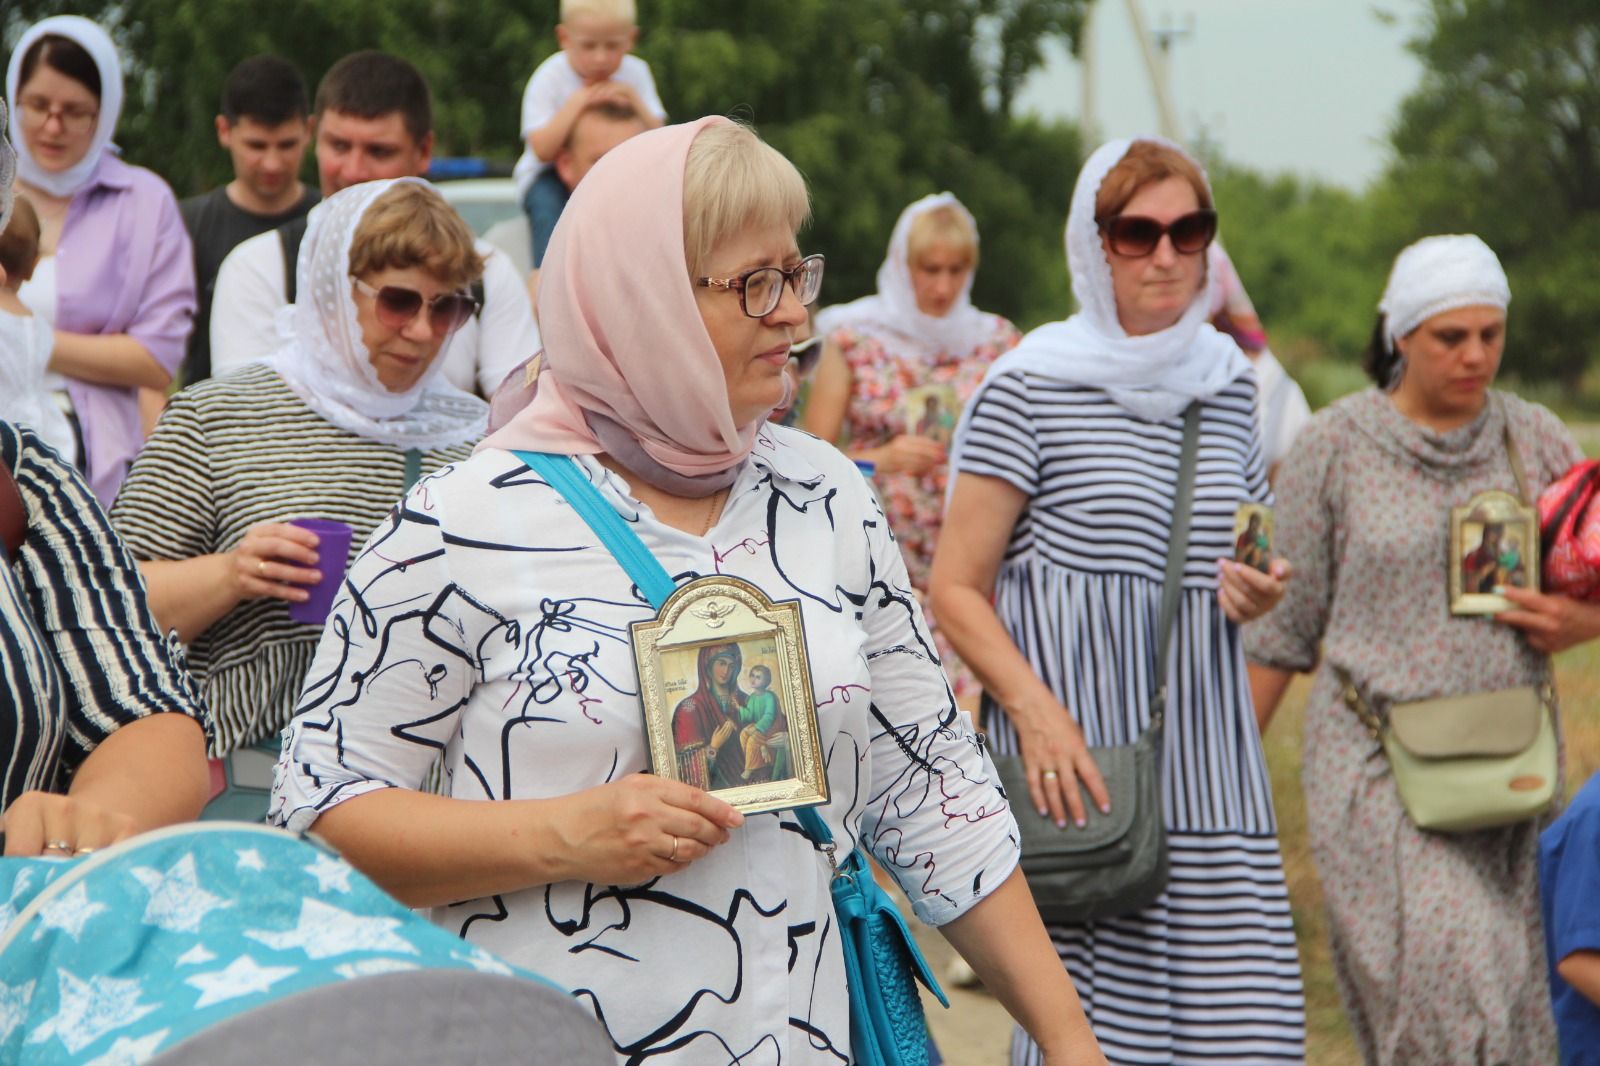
x: 276, y: 560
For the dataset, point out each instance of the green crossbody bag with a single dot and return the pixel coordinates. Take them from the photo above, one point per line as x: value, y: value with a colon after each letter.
x: 1117, y: 863
x: 1469, y: 762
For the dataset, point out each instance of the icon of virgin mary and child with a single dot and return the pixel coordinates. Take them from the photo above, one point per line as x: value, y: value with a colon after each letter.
x: 718, y: 710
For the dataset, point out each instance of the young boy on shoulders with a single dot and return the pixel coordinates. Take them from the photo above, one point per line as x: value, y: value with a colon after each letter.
x: 1569, y: 881
x: 594, y: 66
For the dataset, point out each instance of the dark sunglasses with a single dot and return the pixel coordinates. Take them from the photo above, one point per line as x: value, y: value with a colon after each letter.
x: 1136, y: 236
x: 806, y: 353
x: 397, y: 306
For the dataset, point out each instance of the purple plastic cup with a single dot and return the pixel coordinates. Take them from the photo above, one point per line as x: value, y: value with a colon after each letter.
x: 333, y: 553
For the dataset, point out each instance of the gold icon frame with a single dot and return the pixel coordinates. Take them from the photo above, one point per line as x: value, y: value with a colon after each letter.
x: 1519, y: 526
x: 724, y: 620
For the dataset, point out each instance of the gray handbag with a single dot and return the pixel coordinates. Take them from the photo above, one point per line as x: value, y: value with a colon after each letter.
x: 1117, y: 863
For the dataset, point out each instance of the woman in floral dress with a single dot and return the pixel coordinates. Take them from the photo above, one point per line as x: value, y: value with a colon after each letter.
x: 898, y: 367
x: 1436, y: 936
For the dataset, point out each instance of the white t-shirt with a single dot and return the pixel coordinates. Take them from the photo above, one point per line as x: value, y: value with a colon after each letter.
x: 1281, y: 407
x: 548, y: 89
x: 250, y: 290
x: 25, y: 396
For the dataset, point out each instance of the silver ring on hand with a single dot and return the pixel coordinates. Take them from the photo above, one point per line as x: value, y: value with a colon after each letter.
x: 58, y: 845
x: 672, y: 856
x: 1049, y: 775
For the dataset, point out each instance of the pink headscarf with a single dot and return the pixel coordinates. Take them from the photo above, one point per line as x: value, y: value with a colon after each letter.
x: 629, y: 369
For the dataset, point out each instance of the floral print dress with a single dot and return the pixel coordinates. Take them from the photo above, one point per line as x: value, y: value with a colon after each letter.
x: 1436, y: 936
x: 885, y: 370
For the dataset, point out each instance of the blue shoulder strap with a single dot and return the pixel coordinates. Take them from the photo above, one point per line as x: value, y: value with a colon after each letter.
x: 561, y: 473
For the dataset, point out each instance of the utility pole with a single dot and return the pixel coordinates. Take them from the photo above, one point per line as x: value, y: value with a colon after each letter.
x: 1156, y: 49
x: 1088, y: 119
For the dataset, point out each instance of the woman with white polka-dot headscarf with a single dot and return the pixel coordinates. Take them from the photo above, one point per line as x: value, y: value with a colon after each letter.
x: 337, y: 424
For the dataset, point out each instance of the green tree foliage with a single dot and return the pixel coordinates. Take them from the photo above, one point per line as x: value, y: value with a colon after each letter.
x: 877, y: 101
x: 1502, y: 139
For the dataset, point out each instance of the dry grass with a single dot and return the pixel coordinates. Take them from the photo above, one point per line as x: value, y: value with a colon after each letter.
x: 1328, y: 1041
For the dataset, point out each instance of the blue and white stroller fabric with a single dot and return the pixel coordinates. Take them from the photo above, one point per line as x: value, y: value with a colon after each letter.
x: 120, y: 955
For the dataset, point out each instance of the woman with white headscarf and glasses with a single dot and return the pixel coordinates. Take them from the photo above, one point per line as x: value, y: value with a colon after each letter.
x: 105, y: 734
x: 897, y: 366
x: 1049, y: 578
x: 337, y: 424
x: 1436, y: 936
x: 668, y: 302
x: 115, y: 277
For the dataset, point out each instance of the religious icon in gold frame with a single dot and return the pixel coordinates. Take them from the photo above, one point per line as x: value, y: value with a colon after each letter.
x: 727, y: 694
x: 1494, y: 544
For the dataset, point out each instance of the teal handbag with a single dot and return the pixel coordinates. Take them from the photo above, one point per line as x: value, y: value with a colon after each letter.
x: 881, y: 961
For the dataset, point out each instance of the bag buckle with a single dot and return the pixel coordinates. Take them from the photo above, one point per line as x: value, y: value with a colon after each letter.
x: 1352, y: 699
x: 830, y: 849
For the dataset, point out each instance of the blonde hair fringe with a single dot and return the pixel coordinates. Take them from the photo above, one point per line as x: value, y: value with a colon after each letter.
x: 733, y: 181
x: 411, y: 225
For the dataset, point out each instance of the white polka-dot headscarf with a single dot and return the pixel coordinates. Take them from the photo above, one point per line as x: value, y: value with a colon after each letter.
x: 8, y: 170
x: 325, y: 361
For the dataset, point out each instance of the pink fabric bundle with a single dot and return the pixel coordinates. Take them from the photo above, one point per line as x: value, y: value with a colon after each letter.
x: 626, y: 353
x: 1569, y: 521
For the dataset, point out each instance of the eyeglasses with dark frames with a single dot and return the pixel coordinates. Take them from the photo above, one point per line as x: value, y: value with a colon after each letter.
x: 1136, y: 236
x: 397, y: 305
x: 36, y: 111
x: 761, y: 289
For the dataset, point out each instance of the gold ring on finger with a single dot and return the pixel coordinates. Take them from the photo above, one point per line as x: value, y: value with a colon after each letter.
x: 84, y: 851
x: 672, y: 856
x: 1050, y: 775
x: 261, y: 567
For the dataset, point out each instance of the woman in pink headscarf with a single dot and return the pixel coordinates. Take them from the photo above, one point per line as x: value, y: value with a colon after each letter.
x: 484, y: 624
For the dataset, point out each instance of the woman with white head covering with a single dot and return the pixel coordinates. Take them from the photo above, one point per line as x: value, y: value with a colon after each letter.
x: 1436, y: 937
x: 116, y: 277
x: 106, y: 732
x: 1049, y: 578
x: 346, y: 415
x: 896, y: 369
x: 486, y: 620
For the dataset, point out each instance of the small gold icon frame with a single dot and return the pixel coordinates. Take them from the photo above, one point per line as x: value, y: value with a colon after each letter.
x: 1494, y: 543
x: 727, y: 693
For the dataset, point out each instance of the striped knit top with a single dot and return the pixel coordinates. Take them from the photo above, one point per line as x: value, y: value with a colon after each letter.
x: 228, y: 454
x: 1080, y: 588
x: 80, y: 654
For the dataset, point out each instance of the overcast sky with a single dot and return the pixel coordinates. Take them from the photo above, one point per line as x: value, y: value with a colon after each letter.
x: 1309, y: 86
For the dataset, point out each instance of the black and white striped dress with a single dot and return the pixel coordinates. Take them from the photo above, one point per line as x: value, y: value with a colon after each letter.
x: 1209, y: 973
x: 80, y: 655
x: 229, y: 453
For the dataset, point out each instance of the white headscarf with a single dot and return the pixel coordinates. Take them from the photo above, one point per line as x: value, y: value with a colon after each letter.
x: 1155, y: 376
x: 1438, y: 274
x: 893, y: 310
x: 325, y: 361
x: 8, y: 170
x: 97, y: 43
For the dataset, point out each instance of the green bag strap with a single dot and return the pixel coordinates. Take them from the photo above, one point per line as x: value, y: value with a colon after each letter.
x: 1177, y: 553
x: 413, y: 467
